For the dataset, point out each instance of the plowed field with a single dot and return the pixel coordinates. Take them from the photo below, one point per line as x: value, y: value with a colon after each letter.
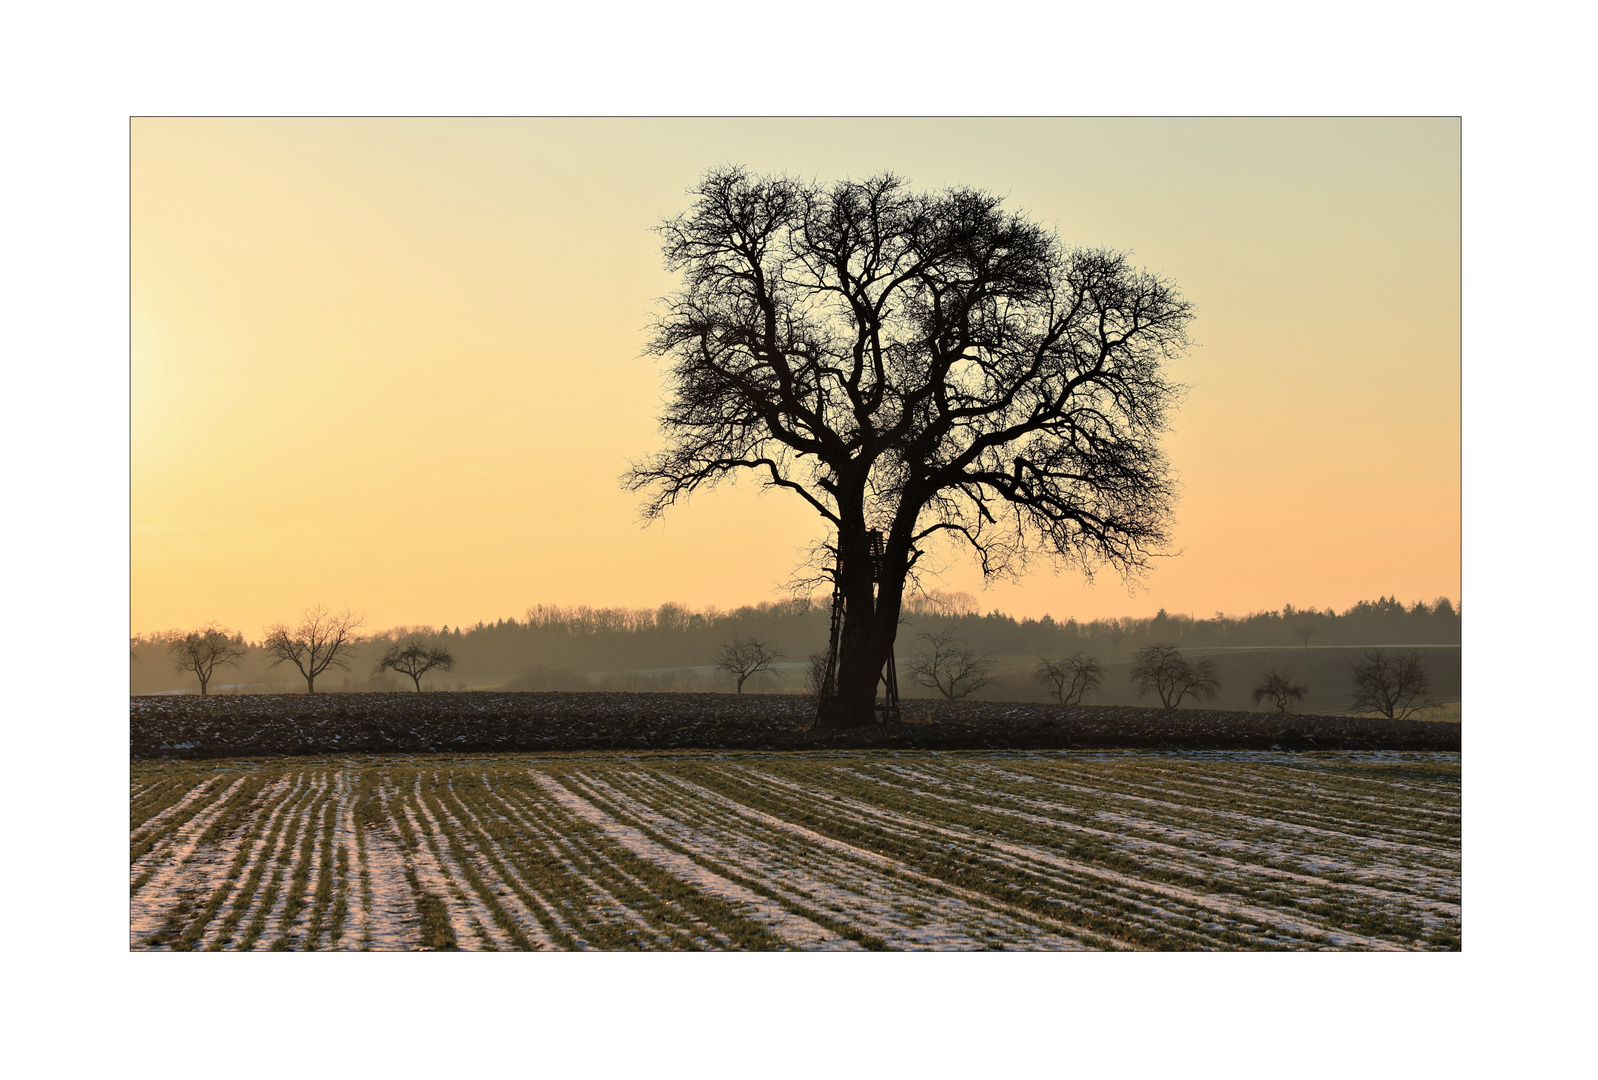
x: 847, y: 850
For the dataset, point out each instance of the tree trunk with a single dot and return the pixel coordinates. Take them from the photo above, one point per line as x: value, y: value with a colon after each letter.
x: 417, y: 679
x: 203, y: 681
x: 310, y: 684
x: 870, y: 623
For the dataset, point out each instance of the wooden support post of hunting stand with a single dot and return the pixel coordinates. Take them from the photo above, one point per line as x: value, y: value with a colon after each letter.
x: 888, y: 707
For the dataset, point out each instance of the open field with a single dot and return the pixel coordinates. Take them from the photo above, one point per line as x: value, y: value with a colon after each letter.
x: 1052, y: 850
x: 268, y: 725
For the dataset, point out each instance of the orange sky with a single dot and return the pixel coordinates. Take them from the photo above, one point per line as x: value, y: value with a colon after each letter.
x: 396, y: 364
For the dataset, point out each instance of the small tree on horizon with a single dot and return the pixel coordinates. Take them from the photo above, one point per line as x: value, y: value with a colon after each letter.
x: 204, y: 650
x: 1305, y: 632
x: 415, y: 656
x: 1279, y: 687
x: 1395, y: 686
x: 1071, y: 679
x: 743, y: 660
x: 321, y: 640
x: 1164, y: 670
x: 949, y: 666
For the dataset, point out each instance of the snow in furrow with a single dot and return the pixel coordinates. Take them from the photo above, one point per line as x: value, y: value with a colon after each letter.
x: 546, y: 839
x: 431, y: 872
x: 1265, y: 823
x: 317, y: 821
x: 1183, y: 856
x: 152, y: 904
x: 269, y: 802
x: 487, y: 870
x: 1300, y: 789
x: 665, y: 936
x: 1310, y: 804
x: 390, y: 921
x: 152, y: 824
x: 794, y: 929
x: 1261, y: 916
x: 1080, y: 894
x: 887, y: 919
x: 266, y: 865
x: 281, y: 874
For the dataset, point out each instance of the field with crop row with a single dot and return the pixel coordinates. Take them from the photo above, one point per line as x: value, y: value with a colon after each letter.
x: 847, y: 850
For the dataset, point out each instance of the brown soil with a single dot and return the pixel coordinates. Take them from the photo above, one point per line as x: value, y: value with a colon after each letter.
x: 269, y: 725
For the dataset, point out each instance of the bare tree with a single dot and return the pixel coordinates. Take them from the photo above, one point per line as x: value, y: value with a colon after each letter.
x: 927, y: 365
x: 745, y: 659
x: 1395, y: 686
x: 321, y: 640
x: 949, y: 666
x: 1162, y: 669
x: 1305, y: 632
x: 204, y: 650
x: 415, y: 655
x: 1071, y: 679
x: 816, y: 673
x: 1279, y: 687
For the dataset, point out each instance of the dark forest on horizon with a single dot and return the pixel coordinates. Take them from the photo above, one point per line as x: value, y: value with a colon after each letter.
x: 674, y: 648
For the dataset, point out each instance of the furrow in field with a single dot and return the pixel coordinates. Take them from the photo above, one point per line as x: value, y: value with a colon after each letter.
x: 1203, y: 808
x: 432, y: 875
x: 900, y: 897
x: 154, y: 850
x: 885, y: 896
x: 1305, y: 810
x: 537, y: 917
x: 311, y: 858
x: 1188, y: 898
x: 155, y: 796
x: 172, y: 881
x: 262, y: 862
x: 481, y: 869
x: 672, y: 905
x: 599, y: 890
x: 1083, y: 903
x: 545, y: 892
x: 275, y: 900
x: 346, y: 907
x: 389, y: 918
x: 229, y: 839
x: 1379, y: 909
x: 1200, y: 845
x: 613, y: 905
x: 163, y: 813
x: 1320, y: 793
x: 796, y: 930
x: 1296, y: 786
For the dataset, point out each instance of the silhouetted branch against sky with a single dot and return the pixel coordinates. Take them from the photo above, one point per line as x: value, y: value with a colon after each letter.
x: 930, y: 363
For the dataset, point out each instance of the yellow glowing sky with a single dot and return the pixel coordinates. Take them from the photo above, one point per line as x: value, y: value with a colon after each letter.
x: 396, y: 364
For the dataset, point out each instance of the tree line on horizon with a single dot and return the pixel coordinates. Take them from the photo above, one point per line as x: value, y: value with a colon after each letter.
x: 554, y: 647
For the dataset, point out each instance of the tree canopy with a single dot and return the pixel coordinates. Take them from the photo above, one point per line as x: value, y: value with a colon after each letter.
x: 920, y: 364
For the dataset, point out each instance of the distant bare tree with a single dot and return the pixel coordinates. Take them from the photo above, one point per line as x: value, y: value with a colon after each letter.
x: 1162, y: 669
x: 415, y: 655
x: 1071, y: 679
x: 323, y: 639
x: 1394, y: 686
x: 743, y: 660
x: 1279, y: 687
x: 1305, y: 632
x: 949, y: 666
x: 204, y: 650
x: 816, y: 673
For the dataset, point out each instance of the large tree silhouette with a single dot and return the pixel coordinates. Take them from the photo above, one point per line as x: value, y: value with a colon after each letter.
x: 918, y: 363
